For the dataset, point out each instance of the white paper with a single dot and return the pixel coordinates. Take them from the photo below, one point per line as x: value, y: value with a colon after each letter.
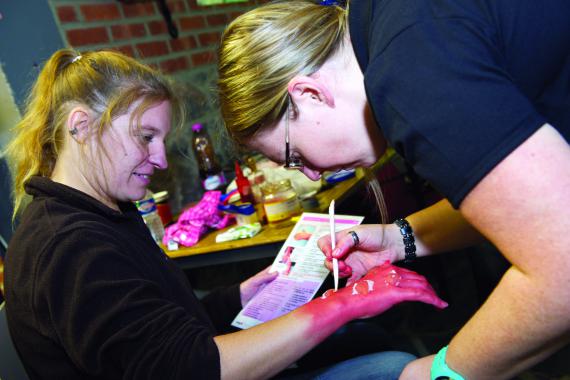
x: 300, y: 264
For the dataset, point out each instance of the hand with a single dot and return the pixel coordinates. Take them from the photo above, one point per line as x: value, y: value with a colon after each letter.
x: 383, y: 287
x: 418, y: 369
x: 254, y: 284
x: 373, y: 249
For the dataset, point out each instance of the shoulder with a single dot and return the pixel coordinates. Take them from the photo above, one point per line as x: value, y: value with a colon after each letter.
x: 53, y: 218
x: 375, y: 25
x: 51, y: 228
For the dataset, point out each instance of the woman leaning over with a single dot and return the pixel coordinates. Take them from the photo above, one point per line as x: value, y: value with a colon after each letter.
x: 475, y: 96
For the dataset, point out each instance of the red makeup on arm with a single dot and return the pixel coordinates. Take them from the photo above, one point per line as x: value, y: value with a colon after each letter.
x: 283, y: 340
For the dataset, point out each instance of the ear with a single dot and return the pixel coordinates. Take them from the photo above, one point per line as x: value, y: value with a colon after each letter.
x: 78, y: 123
x: 309, y: 89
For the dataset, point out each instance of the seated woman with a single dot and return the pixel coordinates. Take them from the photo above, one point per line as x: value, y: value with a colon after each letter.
x: 89, y: 293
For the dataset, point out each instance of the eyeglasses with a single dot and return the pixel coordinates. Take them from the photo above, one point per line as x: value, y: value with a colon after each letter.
x: 291, y: 162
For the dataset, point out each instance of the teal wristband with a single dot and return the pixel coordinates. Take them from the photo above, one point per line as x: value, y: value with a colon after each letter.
x: 440, y: 370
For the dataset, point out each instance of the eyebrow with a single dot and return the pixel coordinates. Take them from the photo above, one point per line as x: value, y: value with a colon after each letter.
x: 149, y: 127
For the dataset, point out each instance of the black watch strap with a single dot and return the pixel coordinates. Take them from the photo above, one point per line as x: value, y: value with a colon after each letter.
x: 409, y: 241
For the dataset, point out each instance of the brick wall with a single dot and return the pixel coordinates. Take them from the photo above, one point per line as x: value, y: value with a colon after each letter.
x: 139, y: 30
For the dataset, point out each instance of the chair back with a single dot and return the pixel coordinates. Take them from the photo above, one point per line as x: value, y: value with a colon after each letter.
x: 11, y: 367
x: 6, y: 208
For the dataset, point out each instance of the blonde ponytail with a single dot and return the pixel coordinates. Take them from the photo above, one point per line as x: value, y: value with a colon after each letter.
x: 106, y: 82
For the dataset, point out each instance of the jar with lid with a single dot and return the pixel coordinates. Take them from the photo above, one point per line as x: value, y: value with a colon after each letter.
x: 163, y: 207
x: 280, y: 201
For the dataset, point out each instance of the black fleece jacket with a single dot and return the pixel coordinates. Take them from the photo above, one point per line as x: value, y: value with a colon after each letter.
x: 90, y: 295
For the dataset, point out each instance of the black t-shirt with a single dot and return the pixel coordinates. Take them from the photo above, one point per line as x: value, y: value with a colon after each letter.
x: 457, y: 85
x: 90, y: 295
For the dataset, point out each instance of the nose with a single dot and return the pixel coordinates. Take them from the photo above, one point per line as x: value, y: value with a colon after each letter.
x: 157, y: 156
x: 313, y: 175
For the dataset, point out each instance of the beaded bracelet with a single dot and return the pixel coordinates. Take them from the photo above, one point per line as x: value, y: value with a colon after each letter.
x: 409, y: 241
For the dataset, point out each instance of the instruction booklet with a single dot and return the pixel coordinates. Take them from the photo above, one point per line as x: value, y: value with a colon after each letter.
x: 301, y: 268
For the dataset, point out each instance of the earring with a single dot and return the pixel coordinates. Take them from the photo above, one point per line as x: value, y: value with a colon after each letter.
x: 73, y: 131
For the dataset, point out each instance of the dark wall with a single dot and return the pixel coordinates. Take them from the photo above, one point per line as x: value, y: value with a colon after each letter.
x: 28, y: 36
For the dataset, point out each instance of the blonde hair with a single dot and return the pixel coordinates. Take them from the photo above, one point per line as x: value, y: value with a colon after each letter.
x: 107, y: 82
x: 263, y: 49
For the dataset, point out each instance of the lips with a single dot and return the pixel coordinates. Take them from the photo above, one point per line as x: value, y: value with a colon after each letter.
x: 142, y: 175
x: 144, y: 178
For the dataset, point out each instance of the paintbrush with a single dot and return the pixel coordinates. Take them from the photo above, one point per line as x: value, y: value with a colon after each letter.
x: 333, y: 244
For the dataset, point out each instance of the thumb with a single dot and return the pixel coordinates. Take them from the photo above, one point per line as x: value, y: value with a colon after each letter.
x: 265, y: 277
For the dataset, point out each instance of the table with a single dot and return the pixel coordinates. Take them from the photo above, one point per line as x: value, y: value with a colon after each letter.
x: 266, y: 243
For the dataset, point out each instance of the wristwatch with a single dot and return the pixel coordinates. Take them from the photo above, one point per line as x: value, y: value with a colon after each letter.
x: 440, y: 370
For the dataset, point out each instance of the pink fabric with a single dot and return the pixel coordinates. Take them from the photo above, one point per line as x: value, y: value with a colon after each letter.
x: 195, y: 221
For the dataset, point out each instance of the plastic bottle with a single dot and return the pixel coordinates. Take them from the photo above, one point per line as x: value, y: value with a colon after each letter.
x: 147, y: 209
x: 209, y: 169
x: 256, y: 179
x: 243, y: 186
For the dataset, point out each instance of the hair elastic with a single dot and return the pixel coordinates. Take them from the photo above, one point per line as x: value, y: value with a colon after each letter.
x: 338, y: 3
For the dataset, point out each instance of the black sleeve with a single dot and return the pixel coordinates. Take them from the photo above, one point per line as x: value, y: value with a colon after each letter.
x: 442, y: 94
x: 112, y: 317
x: 223, y: 304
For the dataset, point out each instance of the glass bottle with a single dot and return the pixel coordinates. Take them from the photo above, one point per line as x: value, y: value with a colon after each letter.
x: 209, y: 169
x: 280, y: 201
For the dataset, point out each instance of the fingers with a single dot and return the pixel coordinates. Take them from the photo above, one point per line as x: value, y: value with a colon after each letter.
x: 344, y: 270
x: 391, y: 275
x: 412, y: 290
x: 413, y: 277
x: 267, y: 269
x: 382, y: 269
x: 324, y: 244
x: 429, y: 297
x: 343, y: 267
x: 353, y: 278
x: 415, y: 283
x: 344, y: 245
x: 417, y: 279
x: 263, y: 277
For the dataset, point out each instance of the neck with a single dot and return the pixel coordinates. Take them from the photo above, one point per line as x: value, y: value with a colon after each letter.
x: 69, y: 171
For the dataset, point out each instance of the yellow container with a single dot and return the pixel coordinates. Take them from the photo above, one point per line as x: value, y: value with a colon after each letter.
x: 280, y: 201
